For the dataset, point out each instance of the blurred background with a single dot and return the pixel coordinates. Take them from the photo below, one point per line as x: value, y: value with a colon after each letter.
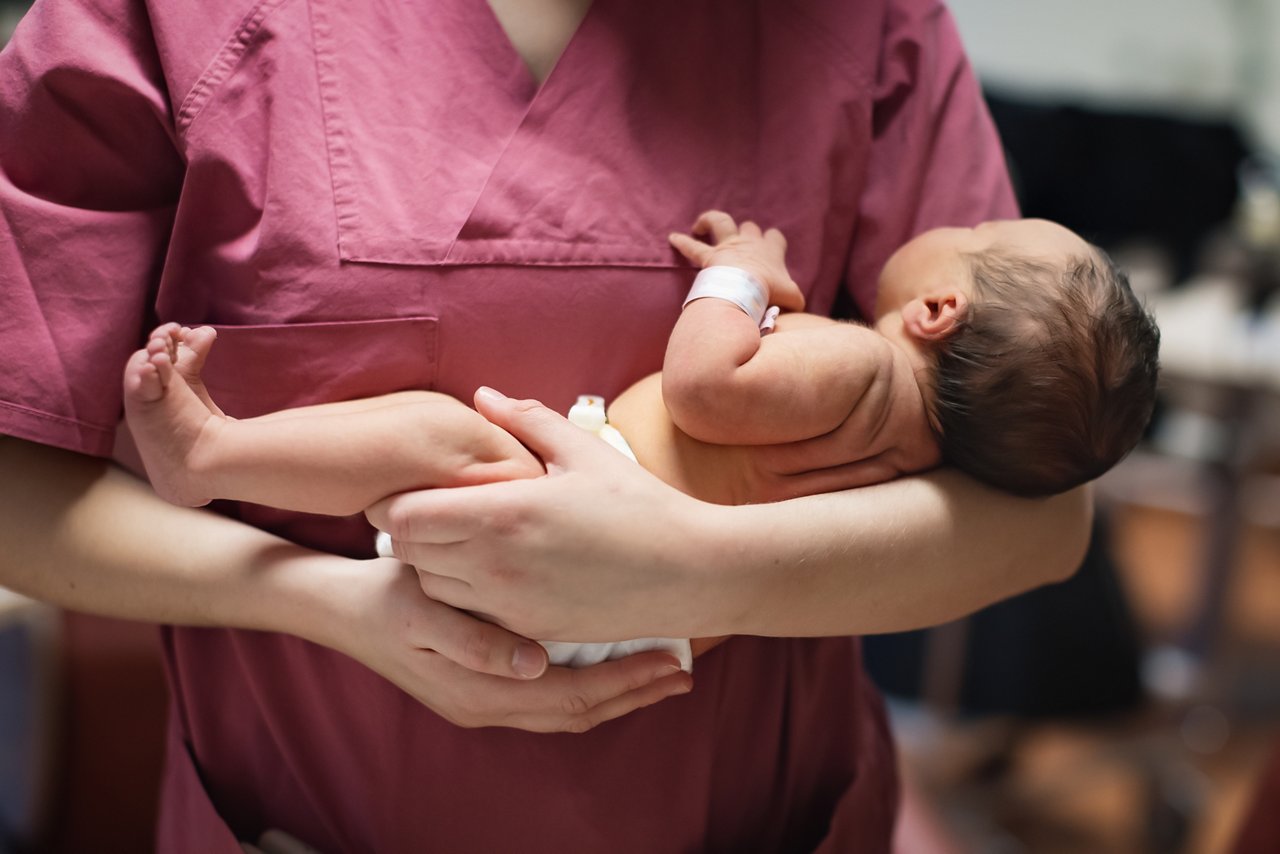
x: 1134, y: 708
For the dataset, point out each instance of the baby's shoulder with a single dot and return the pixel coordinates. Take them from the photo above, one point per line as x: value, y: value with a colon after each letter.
x: 814, y: 330
x: 793, y: 320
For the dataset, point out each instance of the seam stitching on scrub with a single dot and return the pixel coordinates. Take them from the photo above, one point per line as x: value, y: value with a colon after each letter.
x: 345, y: 201
x: 49, y: 416
x: 224, y: 61
x: 464, y: 260
x: 619, y: 254
x: 497, y: 166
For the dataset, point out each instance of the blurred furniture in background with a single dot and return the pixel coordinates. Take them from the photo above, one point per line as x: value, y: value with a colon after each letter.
x: 29, y: 703
x: 82, y: 712
x: 1078, y: 718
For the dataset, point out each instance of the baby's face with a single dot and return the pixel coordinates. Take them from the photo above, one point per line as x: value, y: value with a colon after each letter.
x: 934, y: 261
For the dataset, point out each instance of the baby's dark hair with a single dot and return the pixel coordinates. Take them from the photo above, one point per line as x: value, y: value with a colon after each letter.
x: 1050, y: 378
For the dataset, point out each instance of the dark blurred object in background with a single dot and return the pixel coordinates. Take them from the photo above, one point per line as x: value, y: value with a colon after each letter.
x: 1066, y: 650
x: 1260, y: 831
x: 1116, y: 177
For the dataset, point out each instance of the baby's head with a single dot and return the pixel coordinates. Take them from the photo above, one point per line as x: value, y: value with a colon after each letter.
x: 1044, y: 361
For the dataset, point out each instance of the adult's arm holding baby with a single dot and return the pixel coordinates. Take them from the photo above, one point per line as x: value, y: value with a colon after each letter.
x: 599, y: 548
x: 86, y: 535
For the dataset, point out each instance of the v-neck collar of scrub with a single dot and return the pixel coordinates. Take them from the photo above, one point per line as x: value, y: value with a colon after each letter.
x: 520, y: 81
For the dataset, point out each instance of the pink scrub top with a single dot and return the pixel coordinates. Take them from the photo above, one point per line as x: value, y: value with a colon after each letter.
x: 365, y: 197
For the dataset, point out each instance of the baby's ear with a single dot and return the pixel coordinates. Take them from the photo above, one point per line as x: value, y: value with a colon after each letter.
x: 935, y: 317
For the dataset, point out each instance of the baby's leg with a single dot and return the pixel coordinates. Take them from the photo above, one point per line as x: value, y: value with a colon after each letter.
x: 338, y: 459
x: 335, y: 459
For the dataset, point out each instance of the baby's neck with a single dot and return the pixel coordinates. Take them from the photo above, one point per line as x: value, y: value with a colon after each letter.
x: 919, y: 358
x: 912, y: 393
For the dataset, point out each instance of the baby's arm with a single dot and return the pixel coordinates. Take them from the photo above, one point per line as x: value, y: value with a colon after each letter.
x: 723, y: 383
x: 336, y: 459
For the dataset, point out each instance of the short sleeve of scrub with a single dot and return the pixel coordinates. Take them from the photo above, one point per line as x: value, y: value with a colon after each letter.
x: 88, y: 180
x: 935, y: 159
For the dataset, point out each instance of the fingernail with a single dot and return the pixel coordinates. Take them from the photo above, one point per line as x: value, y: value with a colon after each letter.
x: 490, y: 394
x: 682, y: 688
x: 529, y: 661
x: 666, y: 670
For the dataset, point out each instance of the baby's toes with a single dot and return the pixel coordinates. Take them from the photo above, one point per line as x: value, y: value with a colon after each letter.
x: 142, y: 379
x: 196, y: 345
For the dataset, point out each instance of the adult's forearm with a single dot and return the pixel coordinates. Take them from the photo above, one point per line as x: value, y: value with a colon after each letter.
x: 601, y: 549
x: 84, y: 534
x: 901, y: 555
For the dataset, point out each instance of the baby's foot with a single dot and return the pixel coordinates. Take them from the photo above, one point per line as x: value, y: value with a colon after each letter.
x: 170, y: 414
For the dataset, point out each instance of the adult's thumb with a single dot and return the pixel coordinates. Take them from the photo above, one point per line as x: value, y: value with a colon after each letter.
x: 543, y: 431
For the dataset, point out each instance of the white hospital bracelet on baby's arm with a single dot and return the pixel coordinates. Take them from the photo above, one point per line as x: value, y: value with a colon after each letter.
x: 738, y: 287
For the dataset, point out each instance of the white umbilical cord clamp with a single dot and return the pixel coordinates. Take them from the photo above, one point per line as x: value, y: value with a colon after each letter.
x: 737, y: 286
x: 589, y: 414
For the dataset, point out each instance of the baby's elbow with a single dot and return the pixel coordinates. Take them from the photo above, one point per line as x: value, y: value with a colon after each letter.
x: 690, y: 399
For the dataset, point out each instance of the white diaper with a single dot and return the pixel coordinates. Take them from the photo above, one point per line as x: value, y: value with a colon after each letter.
x: 569, y: 654
x: 588, y: 413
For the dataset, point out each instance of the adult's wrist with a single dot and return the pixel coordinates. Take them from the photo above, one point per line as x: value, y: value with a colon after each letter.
x: 726, y: 580
x: 765, y: 570
x: 309, y: 594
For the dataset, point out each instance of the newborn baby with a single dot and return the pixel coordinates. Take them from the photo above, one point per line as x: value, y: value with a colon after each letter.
x: 1014, y: 351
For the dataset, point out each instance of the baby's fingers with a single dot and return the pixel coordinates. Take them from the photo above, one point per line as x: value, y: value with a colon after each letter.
x: 775, y: 239
x: 718, y: 224
x: 691, y: 248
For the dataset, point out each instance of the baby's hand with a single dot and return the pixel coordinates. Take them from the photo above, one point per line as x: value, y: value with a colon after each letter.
x: 746, y: 247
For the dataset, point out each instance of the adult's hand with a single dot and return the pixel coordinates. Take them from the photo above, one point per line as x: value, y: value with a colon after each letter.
x: 476, y: 674
x: 596, y: 550
x: 86, y: 535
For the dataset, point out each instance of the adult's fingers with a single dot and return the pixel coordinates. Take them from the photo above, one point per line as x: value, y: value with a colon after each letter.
x: 478, y: 645
x: 440, y: 586
x: 716, y: 223
x: 646, y: 695
x: 276, y: 841
x: 548, y: 434
x: 441, y: 516
x: 577, y: 700
x: 425, y: 516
